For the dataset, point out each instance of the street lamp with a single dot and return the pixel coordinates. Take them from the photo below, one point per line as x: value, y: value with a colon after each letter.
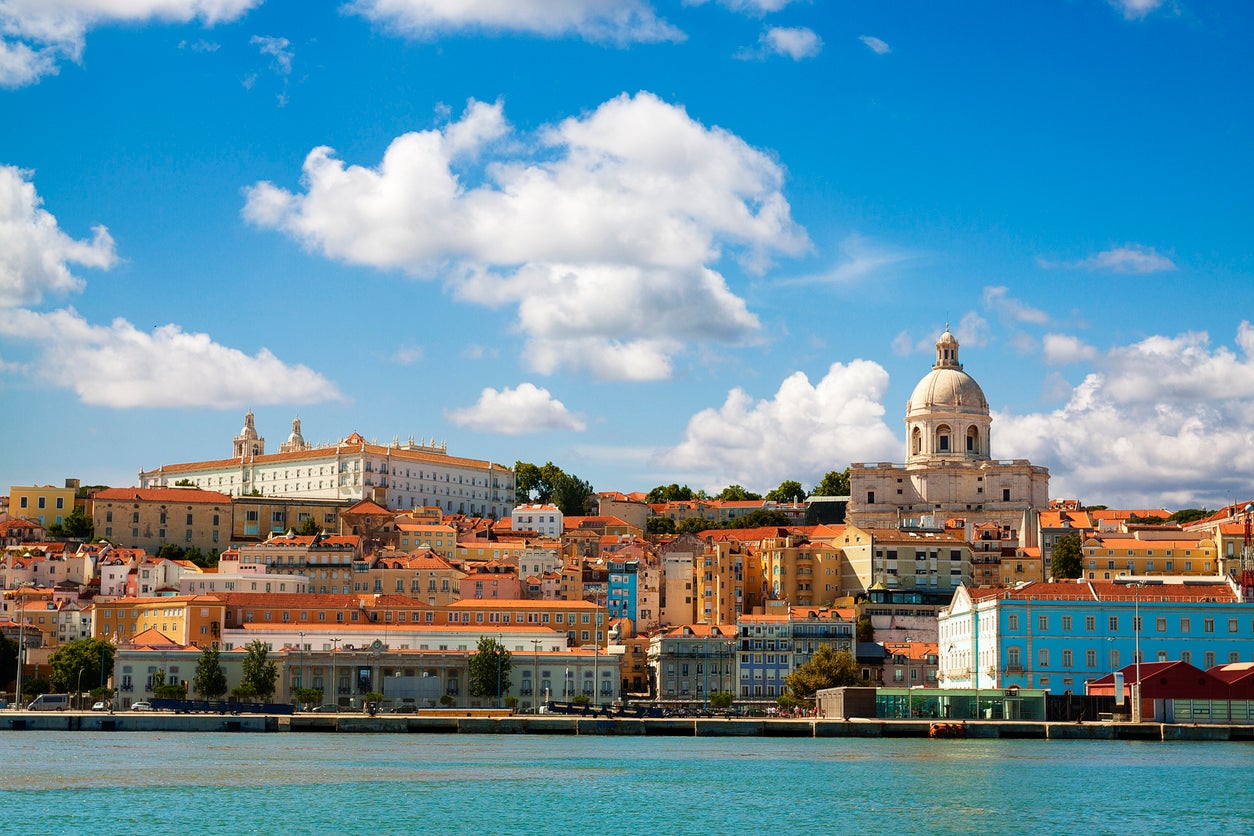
x: 21, y: 648
x: 334, y: 690
x: 535, y: 674
x: 1136, y: 650
x: 301, y: 654
x: 500, y: 652
x: 78, y: 693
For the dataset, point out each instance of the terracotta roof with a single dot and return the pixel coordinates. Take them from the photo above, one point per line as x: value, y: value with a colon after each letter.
x: 168, y: 495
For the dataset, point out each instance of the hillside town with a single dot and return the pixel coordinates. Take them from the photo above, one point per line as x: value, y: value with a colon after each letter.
x: 374, y: 574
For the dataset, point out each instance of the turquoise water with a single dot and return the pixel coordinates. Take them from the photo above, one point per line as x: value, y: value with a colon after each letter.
x: 123, y: 783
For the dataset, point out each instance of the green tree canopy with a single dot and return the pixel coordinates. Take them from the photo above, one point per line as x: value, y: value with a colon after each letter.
x: 827, y: 668
x: 669, y: 493
x: 309, y: 526
x: 489, y: 669
x: 209, y: 681
x: 736, y: 493
x: 77, y: 526
x: 787, y: 491
x: 1066, y: 561
x: 8, y: 662
x: 761, y: 518
x: 549, y: 483
x: 259, y: 673
x: 660, y: 525
x: 835, y: 483
x: 1187, y: 515
x: 693, y: 525
x: 85, y: 655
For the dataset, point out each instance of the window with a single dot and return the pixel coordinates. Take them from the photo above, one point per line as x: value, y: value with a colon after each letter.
x: 1208, y: 626
x: 1012, y: 622
x: 1066, y: 659
x: 1184, y: 625
x: 1042, y: 622
x: 1160, y: 625
x: 1090, y: 623
x: 1113, y: 623
x: 1012, y: 657
x: 1066, y: 624
x: 1090, y: 658
x: 1042, y: 657
x: 1210, y: 659
x: 1232, y: 625
x: 1186, y: 657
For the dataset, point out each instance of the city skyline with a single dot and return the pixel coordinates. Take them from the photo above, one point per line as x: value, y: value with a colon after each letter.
x: 653, y: 242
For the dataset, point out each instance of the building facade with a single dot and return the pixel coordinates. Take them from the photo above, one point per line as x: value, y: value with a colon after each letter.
x: 149, y: 518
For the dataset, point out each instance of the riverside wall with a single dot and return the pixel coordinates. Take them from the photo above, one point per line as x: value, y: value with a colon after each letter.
x: 453, y: 722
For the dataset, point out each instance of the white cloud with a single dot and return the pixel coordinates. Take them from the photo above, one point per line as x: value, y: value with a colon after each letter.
x: 35, y: 35
x: 751, y: 7
x: 801, y: 433
x: 875, y: 44
x: 795, y: 42
x: 1136, y: 9
x: 278, y: 49
x: 526, y: 409
x: 998, y: 299
x: 408, y: 354
x: 615, y: 21
x: 35, y: 255
x: 119, y: 366
x: 1062, y: 349
x: 1165, y: 421
x: 603, y: 229
x: 860, y: 259
x: 1132, y: 258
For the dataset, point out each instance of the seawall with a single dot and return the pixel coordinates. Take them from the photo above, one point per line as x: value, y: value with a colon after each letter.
x: 453, y: 722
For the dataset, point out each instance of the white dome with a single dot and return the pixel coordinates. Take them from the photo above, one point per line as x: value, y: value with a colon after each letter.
x: 947, y: 390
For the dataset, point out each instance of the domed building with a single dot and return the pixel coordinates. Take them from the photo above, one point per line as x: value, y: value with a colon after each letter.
x: 949, y: 475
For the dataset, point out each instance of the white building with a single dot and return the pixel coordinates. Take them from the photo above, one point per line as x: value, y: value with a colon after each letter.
x: 395, y: 475
x: 949, y: 472
x: 546, y: 520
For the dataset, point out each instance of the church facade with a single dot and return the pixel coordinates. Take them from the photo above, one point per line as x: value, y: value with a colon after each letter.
x: 949, y: 474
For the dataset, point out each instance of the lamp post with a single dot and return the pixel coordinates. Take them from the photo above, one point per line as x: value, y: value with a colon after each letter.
x: 1136, y: 651
x: 731, y: 656
x: 78, y: 692
x: 500, y: 652
x: 21, y: 649
x: 535, y: 674
x: 301, y: 655
x: 334, y: 690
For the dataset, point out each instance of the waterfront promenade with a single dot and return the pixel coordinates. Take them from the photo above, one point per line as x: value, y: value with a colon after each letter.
x: 493, y: 722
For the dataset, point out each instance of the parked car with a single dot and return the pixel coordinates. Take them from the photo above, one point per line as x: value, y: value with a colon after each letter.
x: 403, y: 708
x: 50, y: 702
x: 326, y: 708
x: 100, y: 705
x: 141, y: 706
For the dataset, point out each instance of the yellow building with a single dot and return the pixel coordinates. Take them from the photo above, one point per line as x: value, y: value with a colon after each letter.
x: 423, y: 575
x: 149, y: 518
x: 1162, y: 552
x: 903, y: 560
x: 799, y: 572
x: 187, y: 619
x: 721, y: 572
x: 426, y: 528
x: 44, y: 504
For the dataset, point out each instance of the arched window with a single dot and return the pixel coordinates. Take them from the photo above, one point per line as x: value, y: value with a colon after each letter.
x: 973, y: 440
x: 942, y: 439
x: 916, y: 441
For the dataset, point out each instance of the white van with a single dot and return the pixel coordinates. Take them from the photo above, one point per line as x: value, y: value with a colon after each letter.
x: 50, y: 702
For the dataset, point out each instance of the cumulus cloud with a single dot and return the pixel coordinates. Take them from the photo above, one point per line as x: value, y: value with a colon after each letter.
x: 35, y: 255
x: 615, y: 21
x: 525, y: 409
x: 802, y: 432
x: 795, y: 42
x: 1165, y: 421
x: 36, y: 35
x: 603, y: 230
x: 1062, y: 349
x: 998, y: 299
x: 119, y: 366
x: 875, y: 44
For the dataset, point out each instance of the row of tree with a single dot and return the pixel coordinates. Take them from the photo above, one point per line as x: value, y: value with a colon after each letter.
x: 834, y: 483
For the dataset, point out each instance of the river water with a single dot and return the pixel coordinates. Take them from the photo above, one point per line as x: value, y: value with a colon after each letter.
x: 123, y: 783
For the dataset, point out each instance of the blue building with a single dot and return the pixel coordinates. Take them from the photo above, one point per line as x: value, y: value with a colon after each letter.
x: 1058, y: 636
x: 773, y: 646
x: 623, y: 588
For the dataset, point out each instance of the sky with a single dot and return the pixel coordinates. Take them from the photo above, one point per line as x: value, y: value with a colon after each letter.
x: 709, y: 242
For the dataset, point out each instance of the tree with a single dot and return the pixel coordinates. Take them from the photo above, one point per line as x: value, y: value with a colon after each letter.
x: 184, y: 483
x: 735, y: 493
x: 549, y: 483
x: 8, y: 661
x: 866, y: 630
x: 259, y: 673
x: 209, y: 681
x: 309, y: 696
x: 35, y: 686
x: 1066, y: 563
x: 693, y: 525
x: 721, y: 699
x: 761, y: 518
x: 489, y: 669
x: 84, y: 655
x: 834, y: 483
x: 659, y: 525
x: 309, y: 526
x: 167, y: 690
x: 1187, y: 515
x: 669, y: 493
x: 787, y: 491
x: 77, y: 526
x: 827, y: 668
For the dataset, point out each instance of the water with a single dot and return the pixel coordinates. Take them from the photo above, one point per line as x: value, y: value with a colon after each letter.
x: 123, y: 783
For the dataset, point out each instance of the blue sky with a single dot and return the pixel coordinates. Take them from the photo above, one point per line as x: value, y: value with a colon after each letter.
x: 705, y: 242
